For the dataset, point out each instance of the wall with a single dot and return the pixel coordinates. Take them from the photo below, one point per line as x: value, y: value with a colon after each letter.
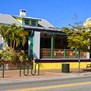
x: 36, y: 45
x: 73, y: 65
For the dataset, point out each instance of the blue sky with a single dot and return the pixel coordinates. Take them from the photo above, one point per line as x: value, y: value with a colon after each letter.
x: 59, y: 12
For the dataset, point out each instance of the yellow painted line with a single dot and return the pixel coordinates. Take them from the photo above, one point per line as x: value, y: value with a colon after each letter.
x: 51, y: 87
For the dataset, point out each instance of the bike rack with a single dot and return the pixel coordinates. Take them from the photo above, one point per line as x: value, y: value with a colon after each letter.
x: 28, y: 68
x: 2, y: 68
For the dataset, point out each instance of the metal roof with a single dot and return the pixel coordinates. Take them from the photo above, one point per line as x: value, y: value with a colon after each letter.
x: 27, y: 17
x: 44, y: 23
x: 8, y: 19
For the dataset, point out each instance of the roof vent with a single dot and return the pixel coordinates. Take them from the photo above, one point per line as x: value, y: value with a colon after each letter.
x: 22, y: 13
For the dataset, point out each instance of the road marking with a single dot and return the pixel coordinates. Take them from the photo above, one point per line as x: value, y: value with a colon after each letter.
x: 51, y: 87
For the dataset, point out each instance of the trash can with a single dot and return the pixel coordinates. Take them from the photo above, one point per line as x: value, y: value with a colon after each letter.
x: 65, y: 68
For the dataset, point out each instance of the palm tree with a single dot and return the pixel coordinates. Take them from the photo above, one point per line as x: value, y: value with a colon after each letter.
x: 17, y: 36
x: 4, y: 33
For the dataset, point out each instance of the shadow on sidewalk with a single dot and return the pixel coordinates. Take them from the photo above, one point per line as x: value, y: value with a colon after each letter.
x: 14, y: 74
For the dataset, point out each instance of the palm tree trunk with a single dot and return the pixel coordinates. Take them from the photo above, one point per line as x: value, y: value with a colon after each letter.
x: 13, y: 44
x: 4, y: 45
x: 10, y: 43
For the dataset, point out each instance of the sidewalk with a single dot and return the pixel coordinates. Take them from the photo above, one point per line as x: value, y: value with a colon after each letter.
x: 12, y: 76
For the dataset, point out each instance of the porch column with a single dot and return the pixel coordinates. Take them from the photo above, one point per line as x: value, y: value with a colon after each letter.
x: 52, y: 45
x: 75, y: 55
x: 30, y: 45
x: 64, y: 53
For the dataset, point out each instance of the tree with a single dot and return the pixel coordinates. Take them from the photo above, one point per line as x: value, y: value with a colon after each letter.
x: 16, y: 35
x: 4, y: 33
x: 80, y: 38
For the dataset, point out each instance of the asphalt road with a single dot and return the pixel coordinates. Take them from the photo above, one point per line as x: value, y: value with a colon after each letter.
x: 69, y: 84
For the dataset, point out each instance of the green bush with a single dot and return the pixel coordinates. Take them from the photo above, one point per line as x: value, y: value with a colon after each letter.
x: 8, y: 55
x: 21, y: 56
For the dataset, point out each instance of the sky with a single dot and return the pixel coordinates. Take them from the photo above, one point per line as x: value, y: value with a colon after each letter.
x: 58, y: 12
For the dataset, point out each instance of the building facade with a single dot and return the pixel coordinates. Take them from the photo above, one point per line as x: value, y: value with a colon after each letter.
x: 46, y: 44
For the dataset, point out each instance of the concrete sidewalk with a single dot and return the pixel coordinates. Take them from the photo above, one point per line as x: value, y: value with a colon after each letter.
x: 12, y: 76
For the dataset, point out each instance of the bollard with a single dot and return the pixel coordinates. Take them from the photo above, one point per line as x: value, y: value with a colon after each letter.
x: 3, y: 70
x: 20, y: 68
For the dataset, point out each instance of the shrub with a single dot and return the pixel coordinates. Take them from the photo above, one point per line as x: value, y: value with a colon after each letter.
x: 8, y: 55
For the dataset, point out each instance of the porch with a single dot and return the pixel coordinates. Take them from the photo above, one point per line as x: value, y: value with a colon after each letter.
x: 61, y: 53
x: 56, y: 46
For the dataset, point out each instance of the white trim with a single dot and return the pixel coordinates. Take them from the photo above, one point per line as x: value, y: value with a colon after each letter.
x: 36, y: 45
x: 88, y: 55
x: 29, y: 46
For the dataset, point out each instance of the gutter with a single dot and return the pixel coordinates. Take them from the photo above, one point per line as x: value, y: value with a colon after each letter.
x: 42, y: 29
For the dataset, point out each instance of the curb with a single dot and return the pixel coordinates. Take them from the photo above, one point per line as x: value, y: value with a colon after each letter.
x: 69, y: 76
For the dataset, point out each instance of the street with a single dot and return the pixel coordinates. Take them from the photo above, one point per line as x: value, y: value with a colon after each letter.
x: 69, y: 84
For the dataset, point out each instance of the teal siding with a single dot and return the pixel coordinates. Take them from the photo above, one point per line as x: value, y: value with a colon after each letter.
x: 31, y: 44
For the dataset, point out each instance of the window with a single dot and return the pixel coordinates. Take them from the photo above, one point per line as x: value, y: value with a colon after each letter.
x: 26, y: 21
x: 33, y: 22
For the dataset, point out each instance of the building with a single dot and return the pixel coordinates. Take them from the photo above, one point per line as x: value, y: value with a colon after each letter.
x: 46, y: 43
x: 87, y: 23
